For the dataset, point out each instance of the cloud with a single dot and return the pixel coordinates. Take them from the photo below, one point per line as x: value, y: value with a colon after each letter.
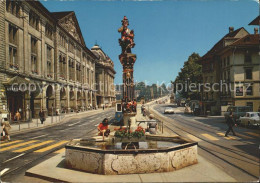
x: 256, y: 1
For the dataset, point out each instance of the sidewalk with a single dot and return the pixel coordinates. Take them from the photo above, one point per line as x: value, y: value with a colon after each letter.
x: 50, y: 121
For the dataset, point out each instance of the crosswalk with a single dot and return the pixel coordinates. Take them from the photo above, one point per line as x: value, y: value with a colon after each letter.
x: 37, y: 146
x: 40, y: 146
x: 220, y: 136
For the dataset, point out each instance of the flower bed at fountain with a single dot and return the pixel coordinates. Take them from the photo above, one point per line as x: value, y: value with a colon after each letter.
x: 155, y: 154
x: 122, y: 134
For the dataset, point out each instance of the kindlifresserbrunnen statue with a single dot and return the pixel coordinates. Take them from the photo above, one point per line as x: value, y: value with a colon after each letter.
x: 127, y: 60
x: 127, y: 36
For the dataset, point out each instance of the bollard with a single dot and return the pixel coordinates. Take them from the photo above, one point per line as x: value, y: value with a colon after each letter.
x: 19, y: 126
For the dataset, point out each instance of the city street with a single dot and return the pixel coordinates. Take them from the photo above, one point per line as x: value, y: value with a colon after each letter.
x: 28, y: 149
x: 238, y: 156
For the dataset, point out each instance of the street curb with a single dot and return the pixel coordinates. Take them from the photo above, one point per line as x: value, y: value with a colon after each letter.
x: 64, y: 120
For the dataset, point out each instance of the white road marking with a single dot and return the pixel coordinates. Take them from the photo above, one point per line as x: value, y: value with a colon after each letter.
x: 14, y: 158
x: 74, y: 123
x: 83, y: 124
x: 39, y: 136
x: 3, y: 171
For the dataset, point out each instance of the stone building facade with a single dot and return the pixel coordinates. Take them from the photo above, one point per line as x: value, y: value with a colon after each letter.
x: 44, y: 61
x: 105, y: 75
x: 232, y: 68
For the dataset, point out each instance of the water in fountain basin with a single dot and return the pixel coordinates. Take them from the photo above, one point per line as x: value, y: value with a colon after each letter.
x: 149, y: 144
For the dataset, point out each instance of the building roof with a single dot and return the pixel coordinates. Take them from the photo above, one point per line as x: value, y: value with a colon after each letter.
x: 103, y: 58
x: 233, y: 35
x: 256, y: 21
x: 252, y: 39
x: 39, y: 6
x: 62, y: 14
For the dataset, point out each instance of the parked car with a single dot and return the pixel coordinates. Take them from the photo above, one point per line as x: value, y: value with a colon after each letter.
x: 168, y: 110
x: 251, y: 118
x: 238, y: 111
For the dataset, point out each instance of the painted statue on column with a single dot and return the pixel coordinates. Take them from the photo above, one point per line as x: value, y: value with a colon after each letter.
x: 127, y: 36
x: 127, y: 60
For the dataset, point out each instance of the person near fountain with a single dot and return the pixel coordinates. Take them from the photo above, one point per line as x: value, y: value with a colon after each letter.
x: 129, y: 106
x: 103, y: 128
x: 152, y: 125
x: 134, y: 106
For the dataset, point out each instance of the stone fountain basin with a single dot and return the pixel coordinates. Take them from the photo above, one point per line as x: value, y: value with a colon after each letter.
x: 109, y: 161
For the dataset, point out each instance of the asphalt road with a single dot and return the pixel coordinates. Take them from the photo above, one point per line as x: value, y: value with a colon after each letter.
x: 28, y: 149
x: 236, y: 155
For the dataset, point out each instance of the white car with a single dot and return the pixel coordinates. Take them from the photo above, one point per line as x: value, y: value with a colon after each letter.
x: 169, y: 110
x: 251, y: 118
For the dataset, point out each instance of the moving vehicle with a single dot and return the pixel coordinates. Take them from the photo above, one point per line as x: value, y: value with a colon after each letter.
x: 168, y: 110
x: 251, y: 118
x: 238, y: 111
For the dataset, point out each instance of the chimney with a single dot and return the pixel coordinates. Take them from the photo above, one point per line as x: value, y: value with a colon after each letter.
x: 256, y: 30
x: 231, y: 29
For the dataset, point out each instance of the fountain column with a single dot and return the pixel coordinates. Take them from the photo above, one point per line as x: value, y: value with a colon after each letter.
x: 127, y: 59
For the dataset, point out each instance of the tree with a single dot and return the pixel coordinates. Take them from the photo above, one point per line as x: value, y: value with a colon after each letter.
x: 190, y: 73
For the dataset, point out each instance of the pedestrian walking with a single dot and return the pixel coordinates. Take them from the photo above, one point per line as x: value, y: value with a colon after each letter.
x: 230, y: 123
x: 152, y: 125
x: 5, y: 129
x: 17, y: 116
x: 41, y: 115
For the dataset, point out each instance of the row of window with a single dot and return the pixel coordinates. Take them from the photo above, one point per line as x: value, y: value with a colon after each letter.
x: 81, y: 73
x: 248, y: 74
x: 248, y: 90
x: 14, y: 8
x: 13, y: 49
x: 225, y: 62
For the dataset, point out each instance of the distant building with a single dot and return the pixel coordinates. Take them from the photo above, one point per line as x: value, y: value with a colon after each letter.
x: 119, y: 92
x: 46, y: 50
x: 105, y: 75
x: 233, y: 61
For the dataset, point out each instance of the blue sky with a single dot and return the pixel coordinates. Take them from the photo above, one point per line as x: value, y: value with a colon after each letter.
x: 166, y: 32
